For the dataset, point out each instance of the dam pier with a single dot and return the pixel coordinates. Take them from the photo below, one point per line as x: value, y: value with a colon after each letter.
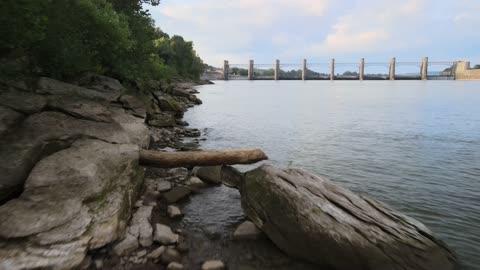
x: 446, y: 70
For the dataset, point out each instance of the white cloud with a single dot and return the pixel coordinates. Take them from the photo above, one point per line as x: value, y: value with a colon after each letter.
x: 374, y: 28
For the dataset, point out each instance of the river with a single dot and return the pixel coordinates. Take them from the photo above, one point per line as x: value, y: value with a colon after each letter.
x: 412, y: 144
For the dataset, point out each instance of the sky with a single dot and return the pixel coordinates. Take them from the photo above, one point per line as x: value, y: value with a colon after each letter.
x: 318, y: 30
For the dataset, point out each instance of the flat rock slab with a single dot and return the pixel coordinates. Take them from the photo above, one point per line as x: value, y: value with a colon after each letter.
x: 177, y: 194
x: 312, y: 218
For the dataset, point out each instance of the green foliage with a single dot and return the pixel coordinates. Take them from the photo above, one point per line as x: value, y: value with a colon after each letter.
x: 64, y: 38
x: 476, y: 67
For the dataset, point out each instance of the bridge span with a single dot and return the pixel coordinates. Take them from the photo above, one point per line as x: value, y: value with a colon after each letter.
x: 313, y: 71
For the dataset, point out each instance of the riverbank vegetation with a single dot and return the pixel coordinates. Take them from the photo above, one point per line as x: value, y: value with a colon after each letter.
x: 65, y: 38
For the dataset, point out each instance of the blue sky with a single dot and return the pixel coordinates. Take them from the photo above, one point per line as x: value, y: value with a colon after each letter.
x: 291, y: 30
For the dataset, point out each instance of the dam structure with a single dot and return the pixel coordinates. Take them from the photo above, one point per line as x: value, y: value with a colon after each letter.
x: 329, y: 70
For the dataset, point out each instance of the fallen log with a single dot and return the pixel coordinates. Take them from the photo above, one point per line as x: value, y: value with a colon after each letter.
x: 314, y: 219
x: 158, y: 159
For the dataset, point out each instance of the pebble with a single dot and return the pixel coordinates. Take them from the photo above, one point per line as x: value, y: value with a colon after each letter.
x: 171, y: 255
x: 174, y: 212
x: 174, y: 266
x: 156, y: 253
x: 213, y: 265
x: 164, y: 235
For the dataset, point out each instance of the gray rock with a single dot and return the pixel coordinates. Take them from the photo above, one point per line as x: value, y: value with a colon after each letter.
x: 163, y: 185
x: 24, y: 102
x: 174, y: 212
x: 80, y: 108
x: 175, y: 266
x: 8, y: 119
x: 73, y: 200
x: 171, y: 255
x: 54, y: 87
x: 194, y: 183
x: 135, y: 127
x: 213, y: 265
x: 140, y: 226
x: 177, y: 194
x: 101, y: 83
x: 162, y: 120
x: 98, y: 263
x: 209, y: 174
x: 128, y: 244
x: 40, y: 135
x: 156, y: 253
x: 169, y: 104
x: 247, y: 231
x: 142, y: 253
x: 314, y: 219
x: 164, y: 235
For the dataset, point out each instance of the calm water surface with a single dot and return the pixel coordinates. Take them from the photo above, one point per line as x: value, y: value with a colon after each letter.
x: 412, y: 144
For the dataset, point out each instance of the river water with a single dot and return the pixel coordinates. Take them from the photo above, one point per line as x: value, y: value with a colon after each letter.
x: 412, y: 144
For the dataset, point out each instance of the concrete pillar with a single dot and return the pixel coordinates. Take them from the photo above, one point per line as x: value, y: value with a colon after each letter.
x: 362, y: 69
x: 424, y: 71
x: 250, y: 70
x: 391, y: 73
x: 332, y: 69
x: 304, y: 70
x: 277, y: 70
x: 226, y: 70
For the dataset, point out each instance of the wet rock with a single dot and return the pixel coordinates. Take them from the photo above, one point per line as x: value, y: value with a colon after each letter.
x: 209, y: 174
x: 231, y: 177
x: 8, y: 119
x: 192, y: 133
x: 169, y: 104
x: 171, y: 255
x: 128, y: 244
x: 164, y: 235
x: 156, y: 253
x: 247, y: 231
x: 162, y: 120
x: 194, y: 183
x: 312, y: 218
x: 213, y: 265
x: 182, y: 245
x: 182, y: 123
x: 177, y: 194
x: 174, y: 212
x: 175, y: 266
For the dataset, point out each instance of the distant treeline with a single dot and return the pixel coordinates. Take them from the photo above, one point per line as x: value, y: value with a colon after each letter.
x: 64, y: 38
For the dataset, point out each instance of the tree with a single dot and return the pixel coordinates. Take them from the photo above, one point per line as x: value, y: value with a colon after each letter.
x: 476, y: 67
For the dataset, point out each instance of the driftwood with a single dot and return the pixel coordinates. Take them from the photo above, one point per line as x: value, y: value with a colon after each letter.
x: 200, y: 158
x: 312, y: 218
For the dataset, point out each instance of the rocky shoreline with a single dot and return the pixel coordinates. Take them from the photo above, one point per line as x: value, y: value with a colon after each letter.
x: 76, y: 145
x: 73, y: 195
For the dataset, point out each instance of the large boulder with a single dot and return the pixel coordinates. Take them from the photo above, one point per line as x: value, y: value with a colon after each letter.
x: 54, y: 87
x: 8, y: 119
x: 80, y: 108
x: 22, y: 101
x: 314, y: 219
x: 42, y: 134
x: 74, y: 200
